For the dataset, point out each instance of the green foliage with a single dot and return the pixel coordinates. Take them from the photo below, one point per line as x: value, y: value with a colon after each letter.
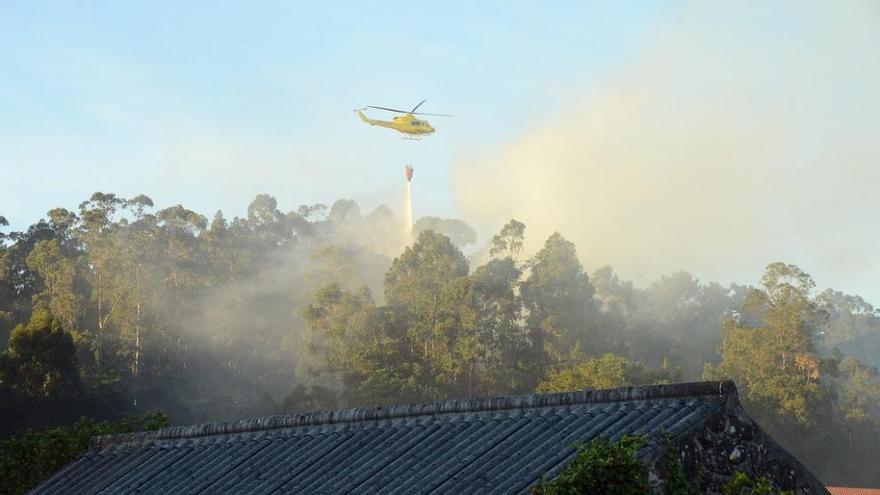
x: 500, y: 343
x: 676, y: 483
x: 41, y: 360
x: 608, y: 371
x: 678, y: 318
x: 509, y: 242
x: 458, y: 232
x: 168, y: 310
x: 743, y: 484
x: 601, y: 466
x: 416, y: 277
x: 859, y: 395
x: 443, y: 332
x: 853, y: 326
x: 558, y: 298
x: 60, y: 276
x: 342, y: 337
x: 34, y: 456
x: 774, y: 359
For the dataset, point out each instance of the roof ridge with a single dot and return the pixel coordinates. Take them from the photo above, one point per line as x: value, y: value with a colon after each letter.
x: 725, y: 389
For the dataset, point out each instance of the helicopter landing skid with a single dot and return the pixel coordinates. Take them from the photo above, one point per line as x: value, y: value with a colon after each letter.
x: 412, y: 138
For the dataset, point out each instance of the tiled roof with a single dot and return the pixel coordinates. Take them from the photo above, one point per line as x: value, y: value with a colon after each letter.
x: 841, y: 490
x: 498, y: 445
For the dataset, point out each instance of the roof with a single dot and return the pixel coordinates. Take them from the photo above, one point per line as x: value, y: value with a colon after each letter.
x: 841, y: 490
x: 494, y: 445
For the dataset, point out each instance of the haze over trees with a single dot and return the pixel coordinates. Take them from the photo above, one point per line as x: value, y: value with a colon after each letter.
x: 122, y: 308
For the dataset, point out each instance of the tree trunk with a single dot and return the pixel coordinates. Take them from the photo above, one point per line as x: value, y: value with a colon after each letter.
x: 100, y: 350
x: 137, y: 323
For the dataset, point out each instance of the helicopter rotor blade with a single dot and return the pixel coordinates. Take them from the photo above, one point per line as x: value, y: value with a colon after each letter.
x: 434, y: 114
x: 387, y: 109
x: 417, y: 106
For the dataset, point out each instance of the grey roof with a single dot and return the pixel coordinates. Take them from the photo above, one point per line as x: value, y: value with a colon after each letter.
x: 495, y: 445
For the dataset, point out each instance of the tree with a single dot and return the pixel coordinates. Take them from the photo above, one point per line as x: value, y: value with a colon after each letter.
x: 356, y: 348
x: 315, y: 212
x: 853, y: 326
x: 617, y: 303
x: 381, y: 232
x: 95, y: 232
x: 769, y: 351
x: 460, y: 233
x: 33, y: 456
x: 502, y: 341
x: 58, y: 271
x: 344, y: 211
x: 602, y: 466
x: 509, y: 242
x: 419, y: 291
x: 40, y: 360
x: 558, y: 298
x: 415, y: 280
x: 678, y: 317
x: 18, y: 283
x: 860, y: 390
x: 608, y: 371
x: 443, y: 333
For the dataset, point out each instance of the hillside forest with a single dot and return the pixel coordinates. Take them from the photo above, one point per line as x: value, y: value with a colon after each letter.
x: 121, y: 308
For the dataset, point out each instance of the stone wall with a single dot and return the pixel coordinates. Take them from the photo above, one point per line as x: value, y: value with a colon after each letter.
x: 727, y: 443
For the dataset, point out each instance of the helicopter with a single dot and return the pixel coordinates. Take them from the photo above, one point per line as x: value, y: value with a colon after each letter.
x: 408, y: 124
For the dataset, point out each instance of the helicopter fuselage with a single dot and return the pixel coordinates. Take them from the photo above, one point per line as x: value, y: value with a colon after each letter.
x: 406, y: 124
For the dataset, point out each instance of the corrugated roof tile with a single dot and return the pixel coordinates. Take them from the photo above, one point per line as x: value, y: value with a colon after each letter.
x: 497, y: 445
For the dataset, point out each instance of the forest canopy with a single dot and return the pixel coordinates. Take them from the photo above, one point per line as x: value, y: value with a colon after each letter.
x: 122, y: 308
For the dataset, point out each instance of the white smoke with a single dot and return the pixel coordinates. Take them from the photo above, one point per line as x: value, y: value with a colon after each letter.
x: 743, y: 134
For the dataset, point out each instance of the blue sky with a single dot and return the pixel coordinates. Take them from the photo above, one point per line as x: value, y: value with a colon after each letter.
x: 132, y: 97
x: 714, y: 137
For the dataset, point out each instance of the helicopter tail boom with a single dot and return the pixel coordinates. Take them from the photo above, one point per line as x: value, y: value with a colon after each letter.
x: 380, y: 123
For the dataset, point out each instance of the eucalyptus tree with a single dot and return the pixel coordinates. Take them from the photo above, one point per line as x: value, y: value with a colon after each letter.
x: 40, y: 359
x: 61, y: 292
x: 769, y: 351
x: 558, y: 298
x: 509, y: 241
x: 414, y: 286
x: 501, y: 338
x: 458, y: 232
x: 96, y: 233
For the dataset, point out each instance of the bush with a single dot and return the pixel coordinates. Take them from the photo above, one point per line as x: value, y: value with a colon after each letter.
x: 30, y: 458
x: 601, y: 466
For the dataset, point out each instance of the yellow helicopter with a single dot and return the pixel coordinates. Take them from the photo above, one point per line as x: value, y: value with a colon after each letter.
x: 408, y: 124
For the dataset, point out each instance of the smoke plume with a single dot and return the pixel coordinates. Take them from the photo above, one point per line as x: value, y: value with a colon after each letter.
x: 740, y: 135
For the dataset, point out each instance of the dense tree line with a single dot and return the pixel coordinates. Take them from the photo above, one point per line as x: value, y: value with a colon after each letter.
x: 119, y: 308
x: 28, y: 459
x: 166, y: 310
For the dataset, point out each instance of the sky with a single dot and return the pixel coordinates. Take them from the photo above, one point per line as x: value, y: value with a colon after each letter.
x: 209, y: 106
x: 712, y: 137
